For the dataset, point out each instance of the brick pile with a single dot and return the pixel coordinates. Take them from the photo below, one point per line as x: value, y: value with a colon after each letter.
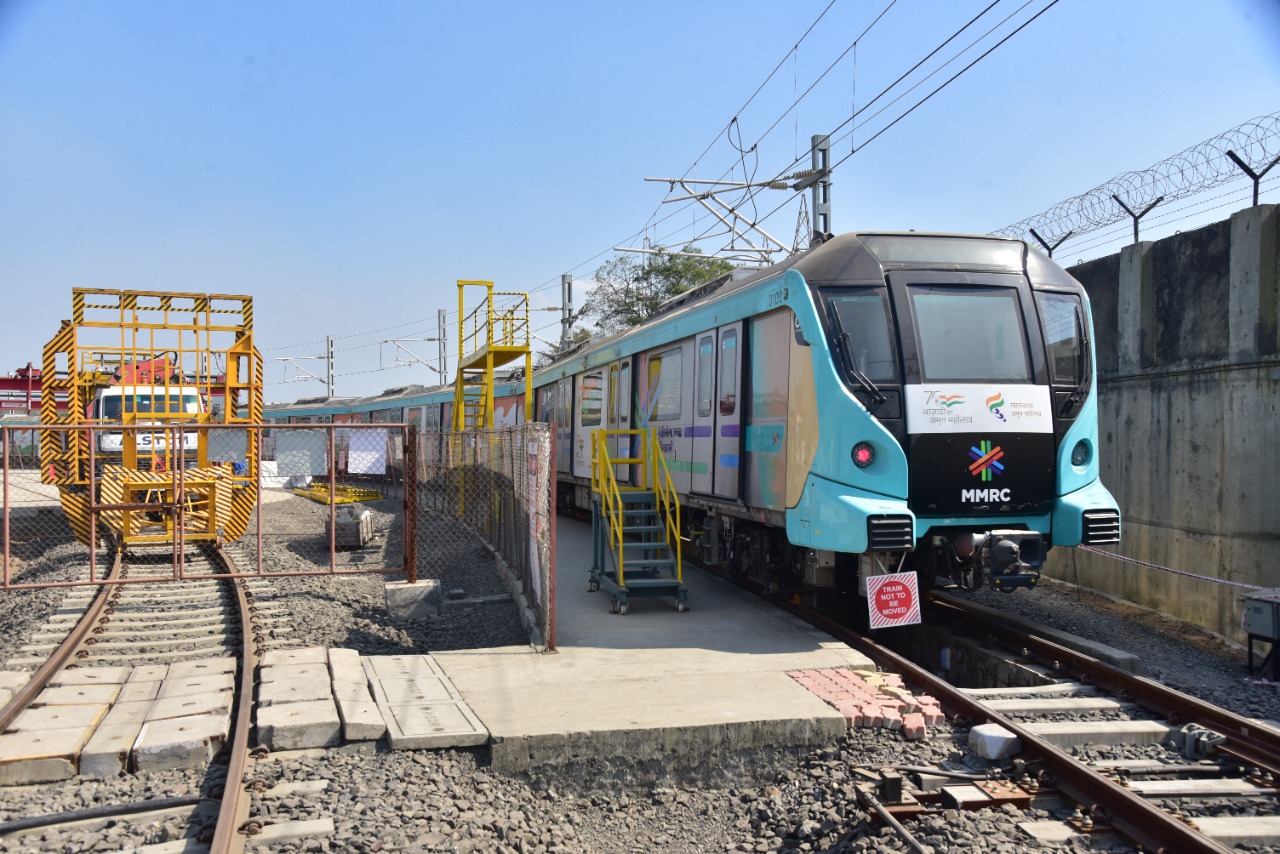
x: 870, y: 699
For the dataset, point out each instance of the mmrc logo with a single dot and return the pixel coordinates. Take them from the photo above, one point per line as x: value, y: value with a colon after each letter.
x: 994, y: 403
x: 986, y: 460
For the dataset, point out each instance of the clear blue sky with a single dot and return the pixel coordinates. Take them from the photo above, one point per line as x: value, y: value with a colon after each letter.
x: 345, y: 164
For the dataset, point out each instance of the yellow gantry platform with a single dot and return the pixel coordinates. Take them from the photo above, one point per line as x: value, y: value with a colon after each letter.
x: 497, y: 336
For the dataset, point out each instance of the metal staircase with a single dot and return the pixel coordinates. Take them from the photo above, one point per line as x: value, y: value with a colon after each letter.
x: 635, y: 528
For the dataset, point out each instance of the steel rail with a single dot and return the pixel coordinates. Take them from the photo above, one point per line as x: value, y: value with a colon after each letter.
x: 1139, y: 820
x: 65, y: 651
x: 1247, y: 740
x: 228, y: 837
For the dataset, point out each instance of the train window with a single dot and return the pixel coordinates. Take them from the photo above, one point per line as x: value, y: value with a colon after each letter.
x: 613, y: 395
x: 591, y: 398
x: 864, y: 318
x: 147, y: 403
x: 706, y: 371
x: 665, y: 379
x: 970, y: 334
x: 728, y: 372
x: 1062, y: 318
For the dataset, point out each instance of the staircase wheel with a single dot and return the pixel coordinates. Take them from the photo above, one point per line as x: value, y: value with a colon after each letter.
x: 681, y: 607
x: 622, y: 609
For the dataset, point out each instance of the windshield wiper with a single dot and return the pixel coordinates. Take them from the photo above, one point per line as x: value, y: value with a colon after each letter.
x: 1081, y: 390
x: 846, y: 353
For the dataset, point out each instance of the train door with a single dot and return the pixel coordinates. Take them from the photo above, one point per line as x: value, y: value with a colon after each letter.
x: 619, y: 415
x: 728, y: 421
x: 587, y: 418
x: 702, y: 463
x: 564, y: 425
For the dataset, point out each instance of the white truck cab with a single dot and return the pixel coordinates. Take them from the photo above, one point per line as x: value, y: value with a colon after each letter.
x: 147, y: 406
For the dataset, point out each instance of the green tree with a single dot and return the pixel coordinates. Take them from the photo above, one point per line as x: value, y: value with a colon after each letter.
x: 629, y: 288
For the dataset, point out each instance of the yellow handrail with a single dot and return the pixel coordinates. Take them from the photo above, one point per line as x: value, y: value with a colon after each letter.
x: 665, y: 495
x: 655, y: 477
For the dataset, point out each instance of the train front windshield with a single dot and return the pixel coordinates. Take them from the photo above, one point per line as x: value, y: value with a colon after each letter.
x: 970, y: 334
x: 148, y: 404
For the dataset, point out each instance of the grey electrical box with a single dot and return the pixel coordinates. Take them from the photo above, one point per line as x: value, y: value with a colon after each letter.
x: 1261, y: 617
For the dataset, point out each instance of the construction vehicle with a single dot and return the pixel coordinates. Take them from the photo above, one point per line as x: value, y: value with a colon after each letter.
x: 140, y: 454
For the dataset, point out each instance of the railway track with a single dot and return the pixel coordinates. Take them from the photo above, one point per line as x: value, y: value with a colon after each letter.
x: 1168, y: 805
x: 149, y: 626
x: 1172, y: 803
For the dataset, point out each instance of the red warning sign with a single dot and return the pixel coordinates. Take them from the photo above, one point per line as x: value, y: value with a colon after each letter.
x: 893, y: 600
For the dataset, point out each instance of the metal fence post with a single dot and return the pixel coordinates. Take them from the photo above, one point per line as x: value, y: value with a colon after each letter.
x: 410, y: 481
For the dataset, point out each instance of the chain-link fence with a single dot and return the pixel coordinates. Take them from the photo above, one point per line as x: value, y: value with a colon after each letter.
x: 471, y: 509
x: 489, y: 492
x: 325, y: 499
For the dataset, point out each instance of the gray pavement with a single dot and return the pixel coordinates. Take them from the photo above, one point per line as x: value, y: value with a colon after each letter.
x: 654, y: 686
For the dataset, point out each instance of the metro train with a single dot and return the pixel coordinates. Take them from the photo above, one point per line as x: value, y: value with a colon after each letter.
x: 882, y: 402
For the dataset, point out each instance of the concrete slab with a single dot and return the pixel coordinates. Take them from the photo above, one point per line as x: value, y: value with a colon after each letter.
x: 292, y: 726
x: 422, y: 689
x: 78, y: 695
x: 302, y: 655
x: 400, y: 666
x: 127, y: 713
x: 1050, y: 832
x: 40, y: 757
x: 186, y: 686
x: 964, y: 797
x: 720, y: 672
x: 437, y: 724
x: 1234, y: 831
x: 418, y: 601
x: 1193, y: 788
x: 201, y: 667
x: 1056, y: 705
x: 1115, y: 657
x: 187, y: 742
x: 1057, y: 689
x: 107, y: 753
x: 361, y: 719
x: 132, y: 692
x: 315, y: 671
x: 13, y: 681
x: 148, y: 673
x: 992, y: 741
x: 287, y: 831
x: 92, y: 676
x: 357, y: 691
x: 59, y: 717
x: 294, y: 691
x: 343, y: 660
x: 1076, y: 733
x: 214, y: 702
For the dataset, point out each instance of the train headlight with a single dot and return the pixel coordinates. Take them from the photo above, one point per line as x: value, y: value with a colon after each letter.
x: 863, y: 455
x: 1081, y: 453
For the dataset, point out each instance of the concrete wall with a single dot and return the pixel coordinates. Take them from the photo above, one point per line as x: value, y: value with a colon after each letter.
x: 1189, y: 400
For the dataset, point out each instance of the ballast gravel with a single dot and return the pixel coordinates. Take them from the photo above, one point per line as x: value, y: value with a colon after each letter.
x: 449, y: 800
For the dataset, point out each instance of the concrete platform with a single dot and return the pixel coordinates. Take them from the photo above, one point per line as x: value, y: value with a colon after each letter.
x: 655, y: 687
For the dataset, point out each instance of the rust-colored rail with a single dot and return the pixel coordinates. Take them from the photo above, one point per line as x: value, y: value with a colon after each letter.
x: 65, y: 651
x: 228, y: 837
x: 1245, y: 739
x: 1140, y: 821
